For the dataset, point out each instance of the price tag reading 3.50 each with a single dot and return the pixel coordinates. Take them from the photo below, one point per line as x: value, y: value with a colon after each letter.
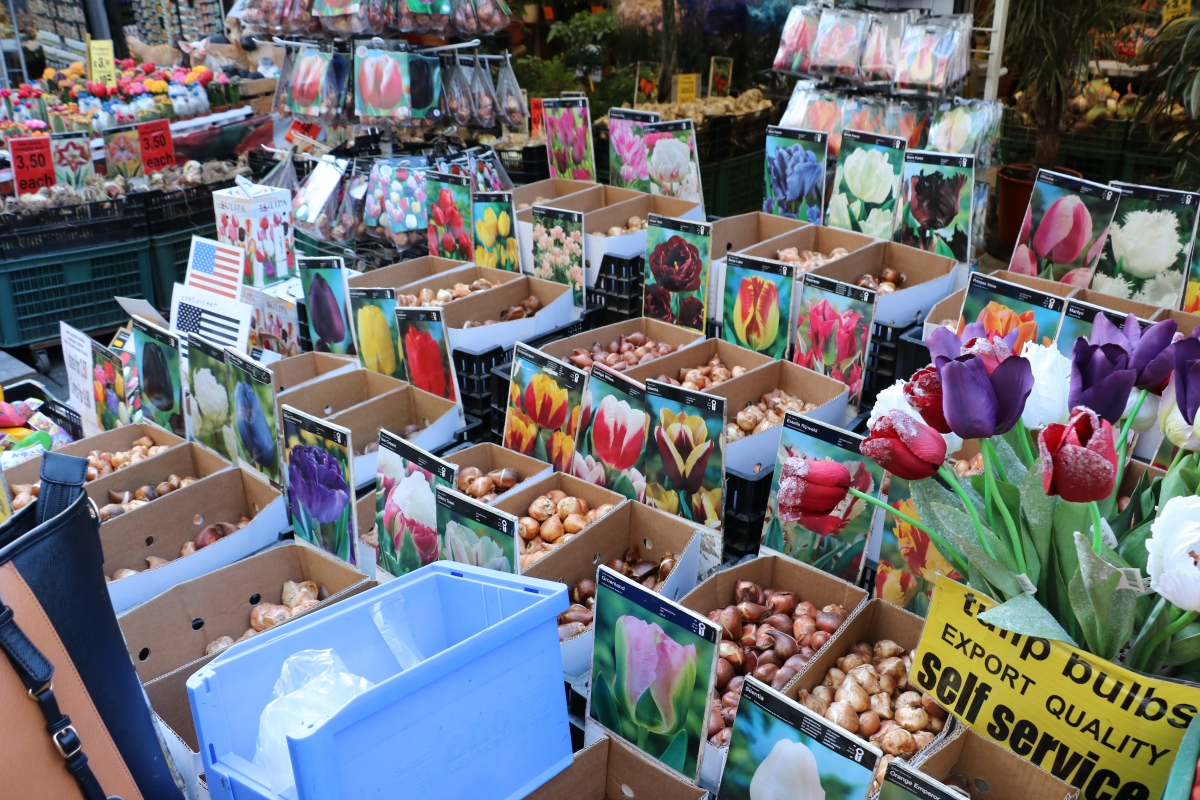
x: 158, y: 150
x: 32, y: 165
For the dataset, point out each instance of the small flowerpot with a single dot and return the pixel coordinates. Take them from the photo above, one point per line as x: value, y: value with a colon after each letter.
x: 529, y: 13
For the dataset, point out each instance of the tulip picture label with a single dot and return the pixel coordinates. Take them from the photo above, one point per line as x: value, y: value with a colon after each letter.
x: 406, y: 526
x: 495, y: 230
x: 610, y: 446
x: 376, y: 339
x: 685, y: 459
x: 381, y: 85
x: 936, y: 198
x: 909, y: 561
x: 1002, y: 307
x: 394, y: 206
x: 319, y: 482
x: 449, y: 198
x: 810, y: 515
x: 425, y: 348
x: 71, y: 154
x: 474, y: 533
x: 833, y: 327
x: 112, y: 407
x: 306, y: 92
x: 794, y: 173
x: 675, y: 287
x: 326, y: 301
x: 672, y: 160
x: 628, y: 167
x: 252, y: 413
x: 160, y: 385
x: 1149, y: 246
x: 866, y: 186
x: 487, y: 173
x: 1065, y: 227
x: 903, y: 783
x: 1078, y: 320
x: 123, y: 153
x: 568, y: 124
x: 545, y: 405
x: 558, y: 249
x: 208, y: 400
x: 653, y: 666
x: 758, y: 304
x: 780, y: 750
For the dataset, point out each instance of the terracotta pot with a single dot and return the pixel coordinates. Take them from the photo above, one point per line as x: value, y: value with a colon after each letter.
x: 1014, y: 185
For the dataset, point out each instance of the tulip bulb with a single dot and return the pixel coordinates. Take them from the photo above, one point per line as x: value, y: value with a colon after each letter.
x: 217, y: 645
x: 898, y: 742
x: 542, y: 509
x: 766, y: 672
x: 818, y: 705
x: 747, y: 592
x: 268, y: 615
x: 834, y: 678
x: 584, y: 590
x: 868, y: 723
x: 886, y: 648
x: 751, y: 612
x: 842, y: 715
x: 466, y: 475
x: 528, y: 528
x: 782, y: 603
x: 552, y: 529
x: 829, y: 621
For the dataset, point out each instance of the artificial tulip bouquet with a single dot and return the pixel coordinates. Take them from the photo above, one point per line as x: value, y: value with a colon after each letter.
x: 1042, y: 530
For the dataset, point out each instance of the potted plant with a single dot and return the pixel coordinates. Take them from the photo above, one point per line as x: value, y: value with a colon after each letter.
x: 582, y: 36
x: 1170, y: 99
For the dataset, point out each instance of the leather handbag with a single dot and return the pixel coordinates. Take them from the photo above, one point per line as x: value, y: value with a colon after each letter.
x: 74, y: 721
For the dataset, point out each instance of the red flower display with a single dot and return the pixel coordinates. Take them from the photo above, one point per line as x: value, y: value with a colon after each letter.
x: 425, y: 367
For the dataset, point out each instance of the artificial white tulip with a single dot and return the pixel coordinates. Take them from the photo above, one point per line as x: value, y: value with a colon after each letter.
x: 1147, y: 415
x: 1047, y: 402
x: 1173, y: 546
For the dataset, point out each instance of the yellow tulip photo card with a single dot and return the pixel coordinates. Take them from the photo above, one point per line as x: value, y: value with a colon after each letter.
x: 495, y: 229
x: 545, y: 407
x: 376, y: 336
x: 758, y: 304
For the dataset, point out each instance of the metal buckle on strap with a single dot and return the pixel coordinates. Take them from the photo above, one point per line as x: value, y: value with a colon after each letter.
x: 94, y: 509
x: 70, y: 729
x: 49, y: 687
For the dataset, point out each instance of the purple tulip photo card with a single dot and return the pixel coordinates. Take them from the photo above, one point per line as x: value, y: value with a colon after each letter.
x: 824, y: 527
x: 685, y: 455
x: 1064, y: 230
x: 475, y: 533
x: 675, y: 286
x: 936, y: 203
x: 318, y: 479
x: 1078, y: 320
x: 252, y: 414
x: 794, y: 173
x: 673, y: 161
x: 993, y: 306
x: 326, y: 300
x: 779, y: 748
x: 568, y: 125
x: 160, y: 385
x: 833, y: 329
x: 610, y: 444
x: 405, y: 506
x: 639, y: 633
x: 627, y: 164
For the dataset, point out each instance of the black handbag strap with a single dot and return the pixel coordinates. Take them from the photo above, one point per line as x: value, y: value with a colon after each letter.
x: 62, y: 483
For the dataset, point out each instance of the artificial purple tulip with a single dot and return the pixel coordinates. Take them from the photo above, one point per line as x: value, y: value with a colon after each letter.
x: 943, y: 341
x: 1101, y: 379
x: 1151, y: 354
x: 1187, y: 377
x: 979, y: 404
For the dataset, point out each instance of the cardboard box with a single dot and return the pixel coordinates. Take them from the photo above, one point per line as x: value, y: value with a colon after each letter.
x: 557, y: 310
x: 947, y: 310
x: 928, y: 278
x: 112, y: 441
x: 296, y: 371
x: 986, y: 764
x: 775, y: 572
x: 609, y: 768
x: 187, y: 461
x: 367, y: 545
x: 161, y: 528
x: 336, y: 392
x: 1040, y: 284
x: 1119, y: 304
x: 264, y: 214
x: 220, y: 599
x: 759, y: 450
x: 734, y: 234
x: 810, y: 237
x: 487, y: 456
x: 1186, y: 322
x: 545, y: 193
x: 393, y: 410
x: 653, y: 329
x: 698, y: 356
x: 596, y: 241
x: 406, y: 272
x: 652, y: 531
x: 447, y: 280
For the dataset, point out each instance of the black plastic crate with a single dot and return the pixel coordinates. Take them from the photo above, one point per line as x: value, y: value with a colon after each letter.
x: 746, y: 498
x: 462, y: 436
x: 713, y: 139
x: 911, y: 353
x: 53, y: 230
x: 743, y: 534
x: 613, y: 266
x: 501, y: 378
x: 179, y: 209
x: 880, y: 371
x: 477, y: 403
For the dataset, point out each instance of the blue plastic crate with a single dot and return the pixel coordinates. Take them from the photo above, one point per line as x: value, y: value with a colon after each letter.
x: 457, y: 724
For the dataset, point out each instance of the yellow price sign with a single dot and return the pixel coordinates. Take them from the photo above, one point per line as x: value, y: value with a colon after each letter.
x: 687, y: 87
x: 1111, y: 732
x: 101, y: 66
x: 1174, y: 9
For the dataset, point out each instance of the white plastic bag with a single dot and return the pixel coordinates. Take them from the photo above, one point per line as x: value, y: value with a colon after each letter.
x: 313, y: 685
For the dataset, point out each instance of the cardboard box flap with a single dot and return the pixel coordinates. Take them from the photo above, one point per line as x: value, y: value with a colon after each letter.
x: 547, y: 190
x: 332, y: 395
x: 632, y: 775
x: 297, y: 370
x: 734, y: 234
x: 1186, y: 322
x: 174, y: 628
x: 189, y: 461
x: 699, y: 356
x: 653, y: 329
x: 406, y: 272
x: 467, y: 275
x: 585, y: 779
x: 1040, y: 284
x: 749, y: 387
x: 1007, y: 776
x: 810, y: 237
x: 392, y: 410
x: 482, y: 306
x: 114, y: 441
x: 169, y: 699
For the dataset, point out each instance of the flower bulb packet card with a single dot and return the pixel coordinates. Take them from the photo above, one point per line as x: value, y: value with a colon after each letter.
x: 326, y: 295
x: 796, y: 42
x: 394, y: 207
x: 881, y: 48
x: 160, y: 384
x: 926, y: 51
x: 1149, y: 248
x: 675, y: 289
x: 811, y: 454
x: 252, y: 409
x: 1066, y: 223
x: 381, y: 86
x: 627, y: 159
x: 639, y: 634
x: 866, y: 186
x: 81, y: 382
x: 71, y: 153
x: 672, y: 160
x: 833, y: 329
x: 937, y: 192
x: 558, y: 249
x: 306, y: 88
x: 488, y: 174
x: 112, y: 408
x: 209, y: 412
x: 406, y: 524
x: 794, y: 173
x: 908, y: 562
x: 545, y: 407
x: 758, y: 304
x: 123, y: 154
x: 901, y: 782
x: 425, y: 345
x: 1000, y: 307
x: 376, y: 338
x: 610, y: 445
x: 314, y: 206
x: 1078, y: 319
x: 720, y: 76
x: 474, y: 533
x: 319, y: 482
x: 838, y: 46
x: 496, y: 231
x: 685, y: 456
x: 449, y: 198
x: 782, y: 749
x: 568, y: 127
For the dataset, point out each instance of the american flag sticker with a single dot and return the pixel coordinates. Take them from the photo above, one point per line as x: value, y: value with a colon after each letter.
x: 216, y: 328
x: 215, y: 267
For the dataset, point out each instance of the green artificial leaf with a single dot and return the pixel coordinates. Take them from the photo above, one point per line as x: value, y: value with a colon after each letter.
x: 1185, y: 648
x: 1106, y: 611
x: 1123, y: 522
x: 603, y: 704
x: 1069, y: 518
x: 1056, y: 597
x: 959, y: 526
x: 1179, y: 482
x: 774, y: 537
x: 1038, y: 509
x: 1001, y: 545
x: 675, y: 756
x: 1024, y: 614
x: 1149, y: 499
x: 1014, y: 468
x: 1033, y: 562
x: 1132, y: 546
x: 1013, y: 440
x: 1151, y: 616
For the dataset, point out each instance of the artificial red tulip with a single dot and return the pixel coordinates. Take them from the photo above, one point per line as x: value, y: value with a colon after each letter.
x: 905, y: 446
x: 924, y: 393
x: 1079, y: 461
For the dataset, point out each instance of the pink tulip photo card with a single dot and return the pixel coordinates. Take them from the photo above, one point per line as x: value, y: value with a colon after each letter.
x: 471, y: 532
x: 672, y: 160
x: 558, y: 249
x: 833, y: 329
x: 1065, y: 227
x: 405, y: 506
x: 639, y: 633
x: 627, y: 159
x: 610, y: 445
x: 568, y: 124
x: 996, y: 307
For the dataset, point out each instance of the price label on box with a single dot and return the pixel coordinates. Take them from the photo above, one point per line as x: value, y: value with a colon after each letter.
x: 158, y: 150
x: 686, y: 87
x: 31, y: 162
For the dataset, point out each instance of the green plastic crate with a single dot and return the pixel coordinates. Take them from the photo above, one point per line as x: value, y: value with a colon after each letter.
x: 76, y: 287
x: 310, y: 247
x: 169, y: 259
x: 733, y: 186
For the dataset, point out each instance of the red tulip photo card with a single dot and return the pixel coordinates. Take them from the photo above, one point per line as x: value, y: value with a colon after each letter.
x: 993, y: 306
x: 758, y: 304
x: 685, y: 455
x: 1065, y: 227
x: 936, y: 197
x: 424, y: 342
x: 833, y: 328
x: 810, y: 515
x: 638, y: 632
x: 675, y: 289
x: 381, y: 85
x: 610, y: 445
x: 405, y: 507
x: 545, y: 407
x: 449, y: 199
x: 319, y: 481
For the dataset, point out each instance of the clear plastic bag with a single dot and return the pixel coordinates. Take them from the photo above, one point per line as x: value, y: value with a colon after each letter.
x: 263, y: 16
x: 926, y: 54
x: 465, y: 21
x: 347, y: 228
x: 881, y: 50
x: 424, y: 16
x: 315, y: 206
x: 456, y: 93
x: 282, y: 175
x: 394, y: 204
x: 381, y: 93
x: 796, y: 42
x: 313, y: 91
x: 509, y: 103
x: 313, y: 685
x: 298, y: 18
x: 279, y: 105
x: 483, y: 95
x: 838, y: 46
x: 492, y: 15
x: 363, y: 18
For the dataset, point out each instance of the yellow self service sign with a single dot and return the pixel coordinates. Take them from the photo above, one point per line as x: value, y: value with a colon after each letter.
x: 1174, y: 9
x: 101, y: 68
x: 1108, y: 731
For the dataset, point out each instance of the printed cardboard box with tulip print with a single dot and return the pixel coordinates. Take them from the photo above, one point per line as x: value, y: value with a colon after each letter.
x: 258, y: 219
x: 320, y: 482
x: 450, y: 216
x: 495, y: 228
x: 558, y: 249
x: 161, y: 385
x: 405, y: 506
x: 252, y: 405
x: 685, y: 467
x: 545, y: 406
x: 373, y: 314
x: 1065, y: 227
x: 758, y: 305
x: 735, y: 234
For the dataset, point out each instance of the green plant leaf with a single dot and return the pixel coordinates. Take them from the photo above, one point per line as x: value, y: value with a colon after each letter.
x: 1000, y: 541
x: 603, y: 704
x: 1179, y: 482
x: 675, y: 756
x: 1132, y: 546
x: 1105, y: 610
x: 774, y: 537
x: 409, y: 558
x: 1069, y: 518
x: 1014, y: 469
x: 960, y: 527
x: 1038, y: 509
x: 1185, y: 648
x: 941, y: 248
x: 1024, y: 614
